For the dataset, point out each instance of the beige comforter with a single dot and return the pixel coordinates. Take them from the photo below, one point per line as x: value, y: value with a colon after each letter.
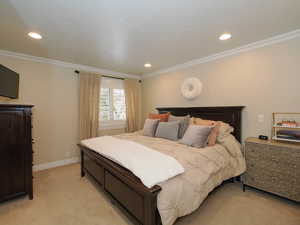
x: 205, y: 169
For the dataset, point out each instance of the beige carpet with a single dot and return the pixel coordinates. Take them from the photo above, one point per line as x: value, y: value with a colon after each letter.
x: 61, y: 197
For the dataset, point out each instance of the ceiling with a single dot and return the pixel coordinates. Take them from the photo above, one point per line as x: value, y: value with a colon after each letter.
x: 123, y: 35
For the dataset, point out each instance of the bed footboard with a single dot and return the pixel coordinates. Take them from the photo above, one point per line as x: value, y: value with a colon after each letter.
x: 122, y: 186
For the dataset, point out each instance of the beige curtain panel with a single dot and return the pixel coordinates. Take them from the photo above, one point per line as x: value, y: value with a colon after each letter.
x: 133, y: 107
x: 89, y: 85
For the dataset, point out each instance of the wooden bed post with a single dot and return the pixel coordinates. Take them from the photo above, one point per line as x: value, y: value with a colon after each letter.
x: 82, y: 160
x: 150, y: 206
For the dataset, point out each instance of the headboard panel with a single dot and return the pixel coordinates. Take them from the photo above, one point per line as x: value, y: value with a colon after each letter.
x: 228, y: 114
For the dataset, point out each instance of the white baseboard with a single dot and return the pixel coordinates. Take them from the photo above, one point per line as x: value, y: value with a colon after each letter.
x: 64, y: 162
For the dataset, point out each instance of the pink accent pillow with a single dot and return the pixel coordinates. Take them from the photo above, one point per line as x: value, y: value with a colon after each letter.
x: 212, y: 138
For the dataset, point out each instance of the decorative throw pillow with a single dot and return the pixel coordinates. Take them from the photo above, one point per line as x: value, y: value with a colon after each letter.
x: 183, y: 123
x: 168, y: 130
x: 212, y: 138
x: 150, y: 126
x: 224, y: 131
x: 219, y: 131
x: 196, y: 136
x: 162, y: 117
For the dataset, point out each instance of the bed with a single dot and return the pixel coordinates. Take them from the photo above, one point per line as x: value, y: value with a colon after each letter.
x: 124, y: 188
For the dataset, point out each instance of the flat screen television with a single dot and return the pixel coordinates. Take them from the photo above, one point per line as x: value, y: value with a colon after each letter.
x: 9, y: 83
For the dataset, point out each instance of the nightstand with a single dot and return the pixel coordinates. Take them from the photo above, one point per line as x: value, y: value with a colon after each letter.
x: 273, y: 167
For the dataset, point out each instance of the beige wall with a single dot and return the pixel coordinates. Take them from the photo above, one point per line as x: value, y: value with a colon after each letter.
x: 264, y: 80
x: 54, y: 92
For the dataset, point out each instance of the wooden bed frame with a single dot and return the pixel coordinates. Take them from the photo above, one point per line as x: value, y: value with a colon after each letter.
x: 124, y: 188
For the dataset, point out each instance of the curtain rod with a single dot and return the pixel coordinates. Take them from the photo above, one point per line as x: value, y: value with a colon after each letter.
x: 108, y: 76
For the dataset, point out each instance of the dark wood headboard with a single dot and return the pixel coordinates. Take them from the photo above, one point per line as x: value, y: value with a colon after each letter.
x: 228, y: 114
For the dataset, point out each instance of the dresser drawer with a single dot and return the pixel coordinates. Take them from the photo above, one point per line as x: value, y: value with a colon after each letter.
x: 284, y: 168
x: 257, y: 151
x: 289, y: 188
x: 285, y: 155
x: 273, y: 170
x: 273, y: 155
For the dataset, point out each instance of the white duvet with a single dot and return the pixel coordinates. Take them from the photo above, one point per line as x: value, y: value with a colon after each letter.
x: 137, y: 158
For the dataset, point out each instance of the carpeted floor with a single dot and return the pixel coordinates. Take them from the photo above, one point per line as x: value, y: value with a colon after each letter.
x: 61, y: 197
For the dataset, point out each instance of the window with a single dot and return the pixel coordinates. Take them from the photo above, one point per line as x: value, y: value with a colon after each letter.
x: 112, y: 104
x: 119, y: 107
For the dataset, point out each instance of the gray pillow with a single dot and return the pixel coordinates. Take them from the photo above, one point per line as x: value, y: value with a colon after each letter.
x: 196, y: 136
x: 150, y: 126
x: 168, y: 130
x: 184, y: 122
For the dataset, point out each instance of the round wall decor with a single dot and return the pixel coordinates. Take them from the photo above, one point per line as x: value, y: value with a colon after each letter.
x: 191, y: 88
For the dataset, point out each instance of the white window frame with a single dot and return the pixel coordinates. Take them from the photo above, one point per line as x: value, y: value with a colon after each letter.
x: 112, y: 124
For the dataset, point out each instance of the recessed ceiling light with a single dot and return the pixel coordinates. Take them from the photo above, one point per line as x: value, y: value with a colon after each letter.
x: 147, y: 65
x: 35, y: 35
x: 225, y: 36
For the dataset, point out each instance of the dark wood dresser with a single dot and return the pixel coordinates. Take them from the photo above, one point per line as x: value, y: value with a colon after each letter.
x: 273, y: 167
x: 15, y: 151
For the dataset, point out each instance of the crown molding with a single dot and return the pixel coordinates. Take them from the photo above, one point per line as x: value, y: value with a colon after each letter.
x: 244, y: 48
x: 66, y: 64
